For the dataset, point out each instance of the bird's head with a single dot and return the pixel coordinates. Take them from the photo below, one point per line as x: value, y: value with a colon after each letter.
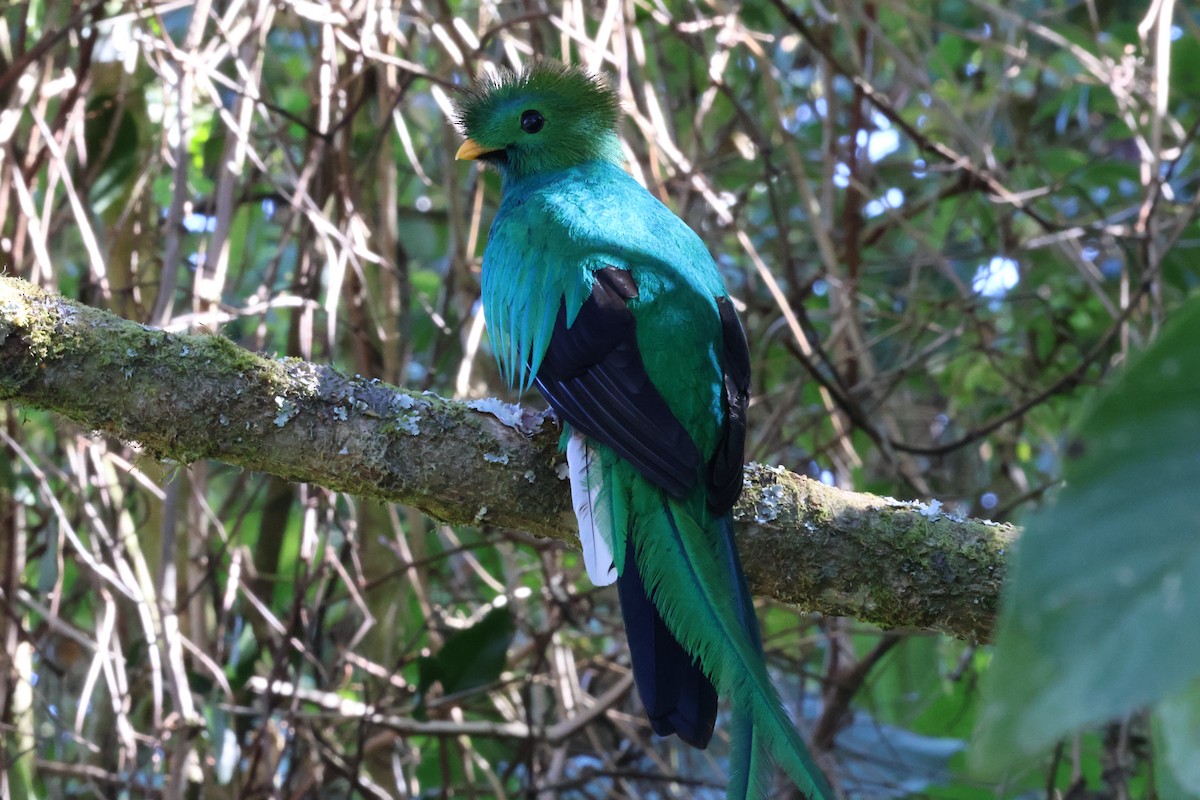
x: 546, y: 118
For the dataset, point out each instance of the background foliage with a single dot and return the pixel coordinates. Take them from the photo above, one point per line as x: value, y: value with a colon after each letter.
x: 947, y: 222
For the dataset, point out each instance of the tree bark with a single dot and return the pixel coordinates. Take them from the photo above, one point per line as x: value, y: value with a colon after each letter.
x: 186, y: 397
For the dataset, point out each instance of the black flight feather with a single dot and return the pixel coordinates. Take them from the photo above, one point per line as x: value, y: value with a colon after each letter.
x: 593, y: 377
x: 678, y: 696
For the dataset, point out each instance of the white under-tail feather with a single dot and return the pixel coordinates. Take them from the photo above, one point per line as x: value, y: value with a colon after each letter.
x: 585, y: 496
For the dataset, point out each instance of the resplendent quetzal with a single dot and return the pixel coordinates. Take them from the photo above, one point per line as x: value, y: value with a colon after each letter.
x: 594, y: 290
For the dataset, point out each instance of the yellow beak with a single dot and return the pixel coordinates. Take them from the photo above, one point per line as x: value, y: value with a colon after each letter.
x: 472, y: 150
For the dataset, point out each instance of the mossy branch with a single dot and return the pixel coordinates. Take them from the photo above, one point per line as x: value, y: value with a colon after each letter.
x: 187, y: 397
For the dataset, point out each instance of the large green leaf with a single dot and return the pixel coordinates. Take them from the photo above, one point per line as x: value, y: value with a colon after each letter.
x: 1100, y: 616
x: 1177, y: 724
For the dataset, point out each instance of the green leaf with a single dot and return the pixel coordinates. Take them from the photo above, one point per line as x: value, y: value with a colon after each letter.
x: 111, y: 131
x: 950, y: 55
x: 470, y: 658
x: 906, y: 681
x: 1106, y: 583
x: 1177, y: 724
x: 1185, y: 58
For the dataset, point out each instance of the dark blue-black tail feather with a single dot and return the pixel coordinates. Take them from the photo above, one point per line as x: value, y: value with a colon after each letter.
x: 678, y: 696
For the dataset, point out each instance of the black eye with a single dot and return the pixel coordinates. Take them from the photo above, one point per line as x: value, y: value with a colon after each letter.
x: 532, y: 121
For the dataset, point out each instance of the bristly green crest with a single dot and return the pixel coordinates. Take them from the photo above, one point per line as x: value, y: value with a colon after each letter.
x: 580, y: 111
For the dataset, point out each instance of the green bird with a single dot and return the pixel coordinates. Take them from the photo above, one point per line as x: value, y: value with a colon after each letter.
x: 594, y: 290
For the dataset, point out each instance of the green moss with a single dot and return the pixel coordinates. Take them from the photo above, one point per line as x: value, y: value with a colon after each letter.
x: 236, y: 358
